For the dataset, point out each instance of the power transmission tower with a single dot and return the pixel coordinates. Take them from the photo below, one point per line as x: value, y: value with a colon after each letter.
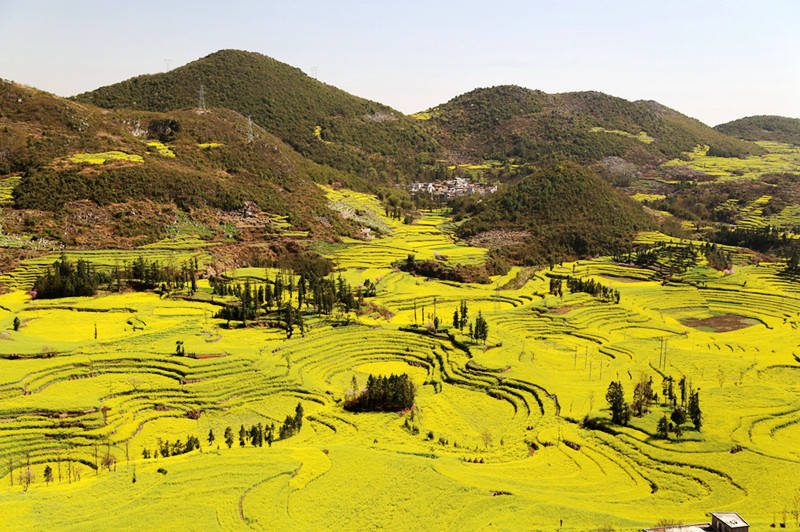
x: 202, y: 103
x: 314, y: 72
x: 249, y: 129
x: 167, y: 62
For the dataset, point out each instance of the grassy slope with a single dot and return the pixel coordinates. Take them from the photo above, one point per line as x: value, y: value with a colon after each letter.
x: 284, y: 101
x: 771, y: 128
x: 526, y: 124
x: 42, y: 132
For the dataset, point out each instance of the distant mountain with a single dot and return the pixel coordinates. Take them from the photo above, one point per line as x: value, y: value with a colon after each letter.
x: 321, y: 122
x: 561, y: 210
x: 523, y: 124
x: 206, y: 161
x: 771, y: 128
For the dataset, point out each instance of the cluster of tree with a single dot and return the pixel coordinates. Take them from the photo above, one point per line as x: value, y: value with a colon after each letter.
x: 480, y: 330
x: 167, y: 449
x: 395, y: 212
x: 382, y: 394
x: 292, y: 424
x: 668, y: 259
x: 146, y: 274
x: 249, y: 300
x: 764, y: 239
x: 590, y: 286
x: 257, y: 434
x: 719, y: 259
x: 462, y: 273
x: 557, y: 286
x: 65, y: 280
x: 323, y: 293
x: 644, y: 396
x: 461, y: 315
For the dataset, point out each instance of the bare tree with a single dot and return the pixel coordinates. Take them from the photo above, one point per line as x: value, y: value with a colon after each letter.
x: 108, y: 461
x: 486, y: 436
x: 795, y: 500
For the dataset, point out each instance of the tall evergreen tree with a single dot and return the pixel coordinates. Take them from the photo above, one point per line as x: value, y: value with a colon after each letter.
x: 694, y: 410
x: 616, y: 401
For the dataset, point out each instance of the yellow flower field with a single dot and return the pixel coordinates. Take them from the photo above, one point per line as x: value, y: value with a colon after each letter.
x: 497, y: 439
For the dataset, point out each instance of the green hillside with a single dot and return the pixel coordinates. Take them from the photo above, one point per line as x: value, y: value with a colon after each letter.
x: 322, y: 122
x: 65, y: 151
x: 771, y: 128
x: 564, y: 209
x: 522, y: 124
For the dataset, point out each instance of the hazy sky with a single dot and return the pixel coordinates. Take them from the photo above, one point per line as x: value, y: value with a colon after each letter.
x: 714, y: 60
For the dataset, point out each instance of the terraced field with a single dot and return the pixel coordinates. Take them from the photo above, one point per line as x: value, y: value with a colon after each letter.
x: 496, y: 439
x: 780, y: 158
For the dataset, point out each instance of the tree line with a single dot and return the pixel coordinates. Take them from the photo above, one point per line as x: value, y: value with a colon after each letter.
x: 65, y: 279
x: 324, y: 294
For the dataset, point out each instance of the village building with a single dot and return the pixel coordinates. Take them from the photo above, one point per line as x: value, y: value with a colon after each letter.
x: 451, y: 188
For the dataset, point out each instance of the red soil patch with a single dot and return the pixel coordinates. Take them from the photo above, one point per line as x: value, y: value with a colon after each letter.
x: 722, y: 323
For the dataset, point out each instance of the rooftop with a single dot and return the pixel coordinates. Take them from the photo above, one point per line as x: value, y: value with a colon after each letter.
x: 730, y: 518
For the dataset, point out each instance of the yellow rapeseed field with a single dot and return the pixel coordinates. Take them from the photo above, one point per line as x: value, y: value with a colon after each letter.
x: 504, y: 435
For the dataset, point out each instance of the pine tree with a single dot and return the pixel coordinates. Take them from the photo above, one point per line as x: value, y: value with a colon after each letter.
x: 694, y: 410
x: 298, y: 417
x: 616, y: 401
x: 242, y: 436
x: 288, y: 319
x: 228, y: 437
x: 663, y: 427
x: 210, y: 436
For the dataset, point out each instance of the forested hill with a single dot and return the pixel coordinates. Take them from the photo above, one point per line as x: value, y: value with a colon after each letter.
x: 322, y: 122
x: 564, y: 210
x: 64, y: 151
x: 517, y: 123
x: 771, y: 128
x: 382, y: 145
